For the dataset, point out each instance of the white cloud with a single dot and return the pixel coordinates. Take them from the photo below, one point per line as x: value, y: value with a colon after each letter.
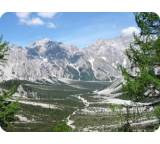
x: 25, y: 18
x: 130, y: 30
x: 47, y: 14
x: 51, y: 25
x: 32, y: 21
x: 23, y: 15
x: 38, y: 19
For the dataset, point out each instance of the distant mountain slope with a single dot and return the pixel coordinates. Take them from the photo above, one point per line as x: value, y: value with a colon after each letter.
x: 46, y: 59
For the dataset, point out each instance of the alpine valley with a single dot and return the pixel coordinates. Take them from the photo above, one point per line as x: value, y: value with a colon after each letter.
x: 78, y: 87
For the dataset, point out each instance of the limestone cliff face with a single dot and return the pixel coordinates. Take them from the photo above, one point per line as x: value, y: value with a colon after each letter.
x: 46, y: 59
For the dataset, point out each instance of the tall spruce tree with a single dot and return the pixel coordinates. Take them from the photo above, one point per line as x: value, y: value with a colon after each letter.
x: 7, y: 108
x: 143, y: 78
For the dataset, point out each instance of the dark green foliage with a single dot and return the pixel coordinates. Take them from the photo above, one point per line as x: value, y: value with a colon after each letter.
x: 141, y: 80
x: 3, y: 48
x: 125, y: 128
x: 62, y: 127
x: 148, y: 23
x: 144, y: 56
x: 7, y: 107
x: 157, y: 112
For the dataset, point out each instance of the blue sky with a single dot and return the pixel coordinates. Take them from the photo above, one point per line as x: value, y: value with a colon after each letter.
x: 80, y: 29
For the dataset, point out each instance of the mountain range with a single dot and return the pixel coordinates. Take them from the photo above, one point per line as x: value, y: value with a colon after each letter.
x: 47, y: 59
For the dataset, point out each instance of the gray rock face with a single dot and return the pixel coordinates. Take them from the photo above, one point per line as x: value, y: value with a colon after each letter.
x: 46, y: 59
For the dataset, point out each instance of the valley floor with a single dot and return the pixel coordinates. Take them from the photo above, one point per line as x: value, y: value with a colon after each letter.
x: 90, y: 106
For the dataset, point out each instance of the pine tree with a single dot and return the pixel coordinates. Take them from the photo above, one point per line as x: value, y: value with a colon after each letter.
x: 7, y: 108
x: 142, y: 80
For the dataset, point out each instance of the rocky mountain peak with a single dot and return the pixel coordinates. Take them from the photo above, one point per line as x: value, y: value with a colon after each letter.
x: 46, y: 59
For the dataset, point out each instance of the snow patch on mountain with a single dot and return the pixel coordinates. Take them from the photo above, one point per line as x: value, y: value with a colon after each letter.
x: 104, y: 58
x: 91, y: 60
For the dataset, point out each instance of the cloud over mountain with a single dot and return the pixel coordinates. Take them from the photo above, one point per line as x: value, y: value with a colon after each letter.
x: 130, y: 31
x: 38, y: 19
